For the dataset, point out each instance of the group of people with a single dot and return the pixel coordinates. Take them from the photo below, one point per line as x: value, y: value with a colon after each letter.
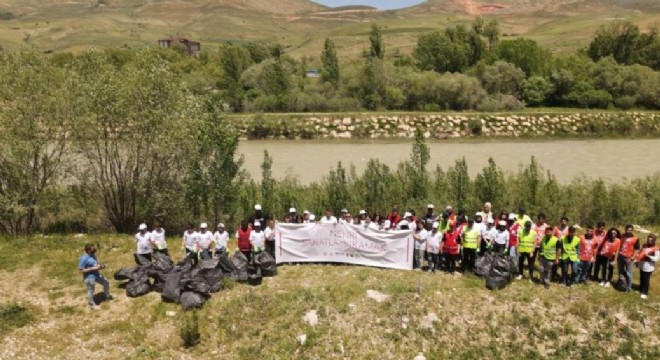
x: 449, y: 240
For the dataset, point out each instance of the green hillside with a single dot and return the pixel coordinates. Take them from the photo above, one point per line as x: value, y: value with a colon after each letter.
x: 301, y: 25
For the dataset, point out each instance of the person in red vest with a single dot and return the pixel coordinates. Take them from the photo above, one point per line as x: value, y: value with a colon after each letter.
x: 627, y: 254
x: 451, y: 248
x: 587, y: 254
x: 394, y: 217
x: 513, y: 227
x: 646, y: 260
x: 599, y: 237
x: 243, y: 239
x: 606, y: 256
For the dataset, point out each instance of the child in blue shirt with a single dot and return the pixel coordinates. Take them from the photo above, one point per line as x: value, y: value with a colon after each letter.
x: 89, y: 268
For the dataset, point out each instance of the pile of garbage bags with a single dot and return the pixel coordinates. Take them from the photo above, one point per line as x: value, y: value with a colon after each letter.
x: 499, y: 270
x: 192, y: 281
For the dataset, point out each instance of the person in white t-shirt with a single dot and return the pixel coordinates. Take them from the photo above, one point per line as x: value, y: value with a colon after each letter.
x: 433, y: 243
x: 143, y: 241
x: 204, y: 245
x: 488, y: 234
x: 189, y: 239
x: 420, y: 236
x: 257, y: 238
x: 158, y: 239
x: 269, y: 234
x: 328, y: 218
x: 220, y: 238
x: 501, y: 242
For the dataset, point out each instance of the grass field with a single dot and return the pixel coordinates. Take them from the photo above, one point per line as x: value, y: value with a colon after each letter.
x: 43, y: 314
x: 561, y: 25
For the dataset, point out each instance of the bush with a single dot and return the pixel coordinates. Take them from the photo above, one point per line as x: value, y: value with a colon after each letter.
x: 475, y: 127
x: 189, y: 330
x: 625, y: 102
x: 13, y: 316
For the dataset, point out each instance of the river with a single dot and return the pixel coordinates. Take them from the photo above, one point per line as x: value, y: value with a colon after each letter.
x: 311, y: 160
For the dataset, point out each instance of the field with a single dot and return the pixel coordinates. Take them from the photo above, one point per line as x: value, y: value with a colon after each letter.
x: 302, y: 26
x: 44, y: 314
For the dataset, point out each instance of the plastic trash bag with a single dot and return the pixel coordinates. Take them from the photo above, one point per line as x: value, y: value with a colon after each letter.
x: 172, y: 289
x: 267, y: 264
x: 135, y: 289
x: 162, y: 262
x: 123, y: 274
x: 192, y: 300
x: 241, y: 263
x: 500, y: 273
x: 482, y: 265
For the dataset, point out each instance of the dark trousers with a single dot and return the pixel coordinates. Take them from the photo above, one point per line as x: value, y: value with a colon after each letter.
x: 450, y: 262
x: 434, y: 261
x: 499, y: 248
x: 469, y: 257
x: 248, y: 254
x: 270, y: 247
x: 603, y: 263
x: 565, y: 265
x: 644, y: 282
x: 530, y: 263
x: 163, y: 251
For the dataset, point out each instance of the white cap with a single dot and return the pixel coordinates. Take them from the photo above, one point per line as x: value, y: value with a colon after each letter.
x: 430, y: 206
x: 142, y: 227
x: 502, y: 223
x: 257, y: 207
x: 221, y: 225
x: 449, y: 207
x: 306, y: 212
x: 292, y: 210
x: 344, y: 210
x: 363, y: 212
x: 488, y: 204
x: 491, y: 221
x: 256, y: 223
x: 312, y: 217
x: 403, y: 222
x: 435, y: 225
x: 512, y: 216
x: 203, y: 226
x: 407, y: 214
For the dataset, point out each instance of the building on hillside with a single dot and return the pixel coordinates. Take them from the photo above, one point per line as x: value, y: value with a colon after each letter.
x: 313, y: 73
x: 192, y: 47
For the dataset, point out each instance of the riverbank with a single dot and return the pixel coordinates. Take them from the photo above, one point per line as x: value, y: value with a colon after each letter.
x: 560, y: 123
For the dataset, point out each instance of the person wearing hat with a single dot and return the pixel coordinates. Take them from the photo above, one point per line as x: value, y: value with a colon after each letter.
x: 450, y: 211
x: 487, y: 213
x: 363, y: 215
x: 328, y: 218
x: 479, y: 223
x: 89, y: 267
x: 394, y: 217
x: 433, y: 242
x: 549, y: 255
x: 293, y: 217
x: 144, y: 241
x: 308, y: 217
x: 501, y: 241
x: 403, y: 225
x: 420, y: 234
x: 430, y: 217
x: 258, y: 215
x: 257, y: 238
x: 345, y: 217
x: 488, y: 235
x: 158, y: 239
x: 204, y: 245
x: 646, y: 259
x: 189, y: 239
x: 220, y: 238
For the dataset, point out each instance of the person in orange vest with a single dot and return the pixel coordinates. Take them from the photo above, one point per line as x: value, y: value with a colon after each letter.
x: 451, y: 247
x: 648, y: 256
x: 588, y: 247
x: 627, y: 254
x: 599, y: 237
x: 606, y: 256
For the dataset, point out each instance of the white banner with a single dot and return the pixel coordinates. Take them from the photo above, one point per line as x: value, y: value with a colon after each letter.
x: 343, y: 243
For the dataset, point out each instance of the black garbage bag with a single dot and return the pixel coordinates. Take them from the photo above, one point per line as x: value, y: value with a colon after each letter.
x: 123, y: 274
x: 139, y: 275
x: 135, y: 289
x: 213, y: 278
x: 267, y: 264
x: 142, y: 261
x: 172, y: 290
x: 159, y: 278
x: 192, y: 300
x: 187, y: 263
x: 162, y: 262
x: 225, y: 264
x: 194, y: 280
x: 500, y: 273
x: 241, y: 263
x: 208, y: 263
x: 513, y: 269
x: 482, y: 265
x: 255, y: 278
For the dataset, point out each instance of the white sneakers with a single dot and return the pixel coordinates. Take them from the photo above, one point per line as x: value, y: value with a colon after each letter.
x: 519, y: 277
x: 644, y: 296
x: 607, y: 284
x: 95, y: 307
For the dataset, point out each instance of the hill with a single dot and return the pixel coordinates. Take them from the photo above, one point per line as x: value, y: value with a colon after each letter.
x: 43, y: 314
x: 301, y: 25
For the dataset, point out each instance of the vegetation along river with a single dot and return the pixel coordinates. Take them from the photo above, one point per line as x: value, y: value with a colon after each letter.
x: 311, y: 160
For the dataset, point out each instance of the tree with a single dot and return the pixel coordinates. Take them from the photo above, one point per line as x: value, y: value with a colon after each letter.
x: 526, y: 54
x: 38, y: 105
x: 536, y: 90
x: 419, y: 159
x: 492, y: 32
x: 620, y: 39
x: 436, y: 51
x: 267, y: 183
x: 338, y: 194
x: 330, y: 63
x: 134, y: 138
x: 234, y: 61
x: 502, y: 78
x: 459, y: 184
x: 490, y: 185
x: 377, y: 49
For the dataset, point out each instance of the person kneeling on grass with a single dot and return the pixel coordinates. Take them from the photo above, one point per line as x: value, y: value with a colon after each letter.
x: 89, y: 267
x: 646, y: 260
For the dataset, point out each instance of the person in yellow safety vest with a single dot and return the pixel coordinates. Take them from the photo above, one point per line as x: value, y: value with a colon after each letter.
x: 471, y: 242
x: 444, y: 224
x: 549, y: 256
x: 522, y: 218
x: 570, y: 248
x: 526, y: 245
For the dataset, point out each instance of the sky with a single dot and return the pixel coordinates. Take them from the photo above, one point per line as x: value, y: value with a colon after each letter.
x: 381, y: 4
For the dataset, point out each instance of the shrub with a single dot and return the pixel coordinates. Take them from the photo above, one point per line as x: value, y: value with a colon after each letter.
x: 189, y: 330
x: 13, y: 316
x: 625, y: 102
